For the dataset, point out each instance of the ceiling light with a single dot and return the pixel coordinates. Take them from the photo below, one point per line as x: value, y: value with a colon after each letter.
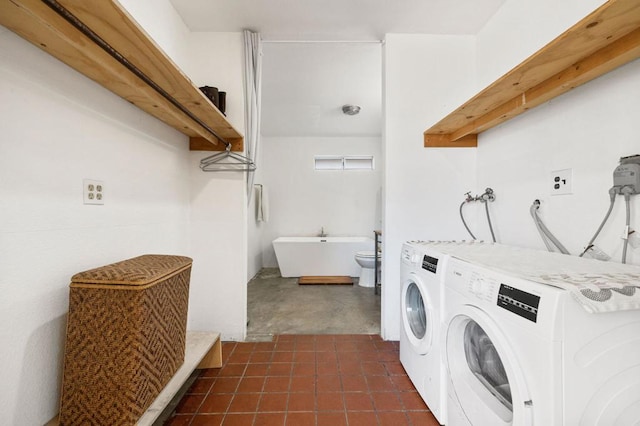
x: 350, y: 109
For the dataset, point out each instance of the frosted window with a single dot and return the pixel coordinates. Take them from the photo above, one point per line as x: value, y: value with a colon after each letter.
x: 358, y: 163
x: 328, y: 163
x: 334, y: 162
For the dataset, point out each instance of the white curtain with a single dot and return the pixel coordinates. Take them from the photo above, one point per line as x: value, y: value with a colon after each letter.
x: 252, y: 104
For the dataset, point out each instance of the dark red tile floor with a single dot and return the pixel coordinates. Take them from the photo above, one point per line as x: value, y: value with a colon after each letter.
x: 305, y: 380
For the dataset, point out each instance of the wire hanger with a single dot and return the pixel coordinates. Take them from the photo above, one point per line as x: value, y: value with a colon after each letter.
x: 227, y: 161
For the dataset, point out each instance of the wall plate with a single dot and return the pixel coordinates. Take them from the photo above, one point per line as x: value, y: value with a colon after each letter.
x: 93, y: 191
x: 561, y: 182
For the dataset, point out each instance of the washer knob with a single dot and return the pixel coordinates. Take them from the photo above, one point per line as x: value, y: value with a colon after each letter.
x: 476, y: 285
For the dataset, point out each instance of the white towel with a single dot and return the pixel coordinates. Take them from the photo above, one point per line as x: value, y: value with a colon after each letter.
x: 262, y: 204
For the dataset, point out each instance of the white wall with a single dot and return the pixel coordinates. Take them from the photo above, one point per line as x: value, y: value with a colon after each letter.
x: 520, y: 28
x: 218, y: 211
x: 217, y: 59
x: 306, y: 84
x: 425, y: 77
x: 58, y: 128
x: 303, y: 200
x: 218, y: 299
x: 255, y: 229
x: 162, y: 23
x: 587, y: 129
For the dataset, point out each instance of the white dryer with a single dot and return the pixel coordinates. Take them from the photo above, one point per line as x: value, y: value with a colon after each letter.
x: 518, y: 352
x: 422, y: 271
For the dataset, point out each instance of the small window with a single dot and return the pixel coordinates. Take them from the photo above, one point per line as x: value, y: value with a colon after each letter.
x: 358, y: 163
x: 355, y: 162
x: 328, y: 163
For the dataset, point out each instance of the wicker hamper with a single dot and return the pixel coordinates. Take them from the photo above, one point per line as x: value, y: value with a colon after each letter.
x: 125, y: 338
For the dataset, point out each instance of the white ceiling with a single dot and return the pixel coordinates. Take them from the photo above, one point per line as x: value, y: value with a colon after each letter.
x: 306, y: 84
x: 337, y: 19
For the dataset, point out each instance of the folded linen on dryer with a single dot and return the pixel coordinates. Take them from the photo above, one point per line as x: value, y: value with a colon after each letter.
x: 598, y: 286
x: 598, y: 291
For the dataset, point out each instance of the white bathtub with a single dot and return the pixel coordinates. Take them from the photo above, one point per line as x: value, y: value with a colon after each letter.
x: 319, y: 256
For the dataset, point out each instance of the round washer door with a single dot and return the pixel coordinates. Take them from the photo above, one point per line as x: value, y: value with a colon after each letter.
x: 485, y: 376
x: 417, y: 314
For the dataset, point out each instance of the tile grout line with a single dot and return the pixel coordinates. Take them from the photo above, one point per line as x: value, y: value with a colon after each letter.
x: 371, y: 361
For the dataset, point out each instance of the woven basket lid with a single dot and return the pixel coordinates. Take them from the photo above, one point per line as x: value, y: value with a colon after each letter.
x: 138, y: 271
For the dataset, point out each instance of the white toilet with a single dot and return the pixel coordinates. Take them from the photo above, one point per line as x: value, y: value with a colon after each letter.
x: 366, y: 259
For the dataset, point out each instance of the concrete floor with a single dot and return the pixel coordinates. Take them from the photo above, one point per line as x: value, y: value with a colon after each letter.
x: 278, y: 305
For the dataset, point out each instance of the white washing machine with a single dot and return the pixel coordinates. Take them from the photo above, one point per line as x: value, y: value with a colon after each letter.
x: 422, y: 271
x: 518, y: 352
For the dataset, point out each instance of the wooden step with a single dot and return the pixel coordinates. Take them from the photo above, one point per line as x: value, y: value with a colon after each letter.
x: 325, y: 280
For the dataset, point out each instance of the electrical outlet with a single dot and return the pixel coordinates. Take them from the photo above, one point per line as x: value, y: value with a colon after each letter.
x: 561, y: 181
x: 93, y: 191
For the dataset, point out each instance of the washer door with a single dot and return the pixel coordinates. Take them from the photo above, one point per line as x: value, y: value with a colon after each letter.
x: 417, y: 314
x: 485, y: 377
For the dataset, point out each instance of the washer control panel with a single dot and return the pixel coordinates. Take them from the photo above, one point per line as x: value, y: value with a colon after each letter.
x: 488, y: 289
x: 482, y: 287
x: 519, y: 302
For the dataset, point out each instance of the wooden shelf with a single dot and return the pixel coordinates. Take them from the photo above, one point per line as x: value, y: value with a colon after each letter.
x: 606, y: 39
x: 41, y: 25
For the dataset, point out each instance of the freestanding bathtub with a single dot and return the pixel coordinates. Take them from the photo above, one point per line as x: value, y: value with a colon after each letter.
x: 319, y: 256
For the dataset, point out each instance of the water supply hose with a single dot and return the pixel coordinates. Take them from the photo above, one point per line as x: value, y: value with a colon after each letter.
x: 485, y: 198
x: 464, y: 222
x: 542, y: 228
x: 612, y: 196
x: 533, y: 210
x: 627, y: 199
x: 486, y: 208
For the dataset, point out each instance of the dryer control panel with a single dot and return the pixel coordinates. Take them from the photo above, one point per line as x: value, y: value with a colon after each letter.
x: 430, y: 264
x: 410, y: 257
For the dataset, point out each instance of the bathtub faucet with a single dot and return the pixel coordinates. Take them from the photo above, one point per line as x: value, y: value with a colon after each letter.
x: 322, y: 234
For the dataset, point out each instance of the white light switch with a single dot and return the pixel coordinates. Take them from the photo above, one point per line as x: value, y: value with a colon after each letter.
x: 93, y: 191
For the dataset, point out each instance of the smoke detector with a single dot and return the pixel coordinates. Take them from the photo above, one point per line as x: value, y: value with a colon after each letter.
x: 350, y: 109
